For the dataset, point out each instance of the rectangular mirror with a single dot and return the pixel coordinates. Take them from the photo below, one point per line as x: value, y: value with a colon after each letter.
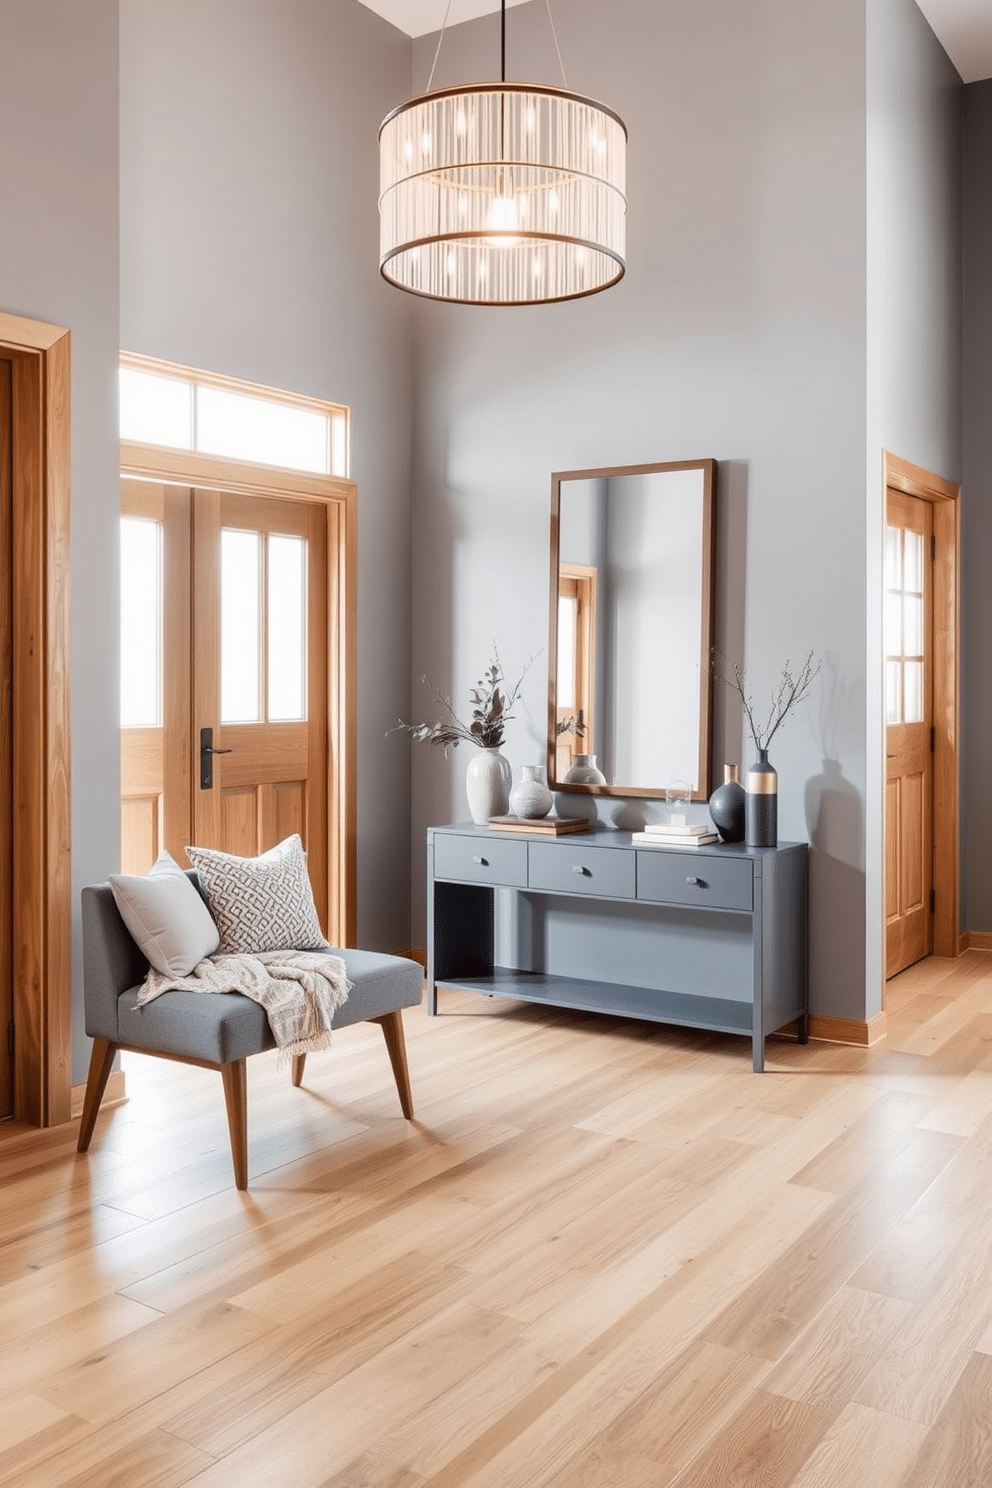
x: 631, y: 628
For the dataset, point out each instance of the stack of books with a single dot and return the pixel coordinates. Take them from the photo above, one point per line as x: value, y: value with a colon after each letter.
x: 547, y: 826
x: 670, y: 834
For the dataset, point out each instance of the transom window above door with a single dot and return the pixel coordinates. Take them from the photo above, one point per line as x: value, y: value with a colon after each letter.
x: 182, y: 409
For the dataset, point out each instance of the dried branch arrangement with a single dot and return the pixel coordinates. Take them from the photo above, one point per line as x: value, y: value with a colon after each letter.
x: 792, y: 689
x: 491, y: 703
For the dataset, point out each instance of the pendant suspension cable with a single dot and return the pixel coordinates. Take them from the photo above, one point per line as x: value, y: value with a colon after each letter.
x: 554, y: 34
x: 502, y: 42
x: 437, y: 52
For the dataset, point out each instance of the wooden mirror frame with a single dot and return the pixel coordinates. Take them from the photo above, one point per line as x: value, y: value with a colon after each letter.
x: 708, y: 467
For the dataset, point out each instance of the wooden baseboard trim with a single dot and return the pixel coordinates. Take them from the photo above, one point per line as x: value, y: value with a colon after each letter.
x: 848, y: 1030
x: 114, y: 1095
x: 415, y: 954
x: 977, y: 940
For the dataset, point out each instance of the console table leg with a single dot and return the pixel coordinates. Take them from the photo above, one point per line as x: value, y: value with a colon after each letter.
x: 758, y: 1054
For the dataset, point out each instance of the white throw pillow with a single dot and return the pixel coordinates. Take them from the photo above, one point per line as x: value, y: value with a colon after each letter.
x: 166, y: 916
x: 260, y: 904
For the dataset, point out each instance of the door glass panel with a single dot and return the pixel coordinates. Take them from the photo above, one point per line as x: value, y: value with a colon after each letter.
x: 893, y: 625
x: 912, y: 692
x: 893, y: 554
x: 892, y: 708
x: 240, y: 635
x: 155, y: 410
x: 912, y: 578
x: 912, y: 626
x: 141, y: 623
x: 339, y: 444
x: 266, y: 433
x: 287, y: 641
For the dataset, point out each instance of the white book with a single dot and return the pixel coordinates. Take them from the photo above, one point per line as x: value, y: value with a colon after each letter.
x: 655, y: 839
x: 682, y: 829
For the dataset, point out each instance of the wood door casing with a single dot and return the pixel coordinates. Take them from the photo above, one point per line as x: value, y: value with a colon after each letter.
x: 6, y: 741
x: 273, y: 782
x: 909, y: 744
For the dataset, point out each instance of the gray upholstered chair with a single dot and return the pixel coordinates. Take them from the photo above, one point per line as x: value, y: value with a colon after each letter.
x: 216, y: 1031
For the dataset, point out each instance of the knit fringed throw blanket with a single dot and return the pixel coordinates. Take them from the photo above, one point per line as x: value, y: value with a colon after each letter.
x: 299, y: 990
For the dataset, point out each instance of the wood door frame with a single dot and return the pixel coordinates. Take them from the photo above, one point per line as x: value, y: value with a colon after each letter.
x: 944, y: 499
x: 340, y: 499
x: 40, y: 767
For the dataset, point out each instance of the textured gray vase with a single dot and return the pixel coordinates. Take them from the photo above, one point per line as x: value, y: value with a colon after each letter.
x: 761, y: 803
x: 727, y: 806
x: 530, y: 797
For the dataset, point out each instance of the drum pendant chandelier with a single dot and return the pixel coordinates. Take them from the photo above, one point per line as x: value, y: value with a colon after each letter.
x: 502, y: 193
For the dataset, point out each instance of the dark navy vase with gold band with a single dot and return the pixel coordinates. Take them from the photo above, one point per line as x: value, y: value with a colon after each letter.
x: 761, y: 803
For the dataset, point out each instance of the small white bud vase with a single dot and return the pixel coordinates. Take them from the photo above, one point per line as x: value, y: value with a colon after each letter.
x: 530, y: 796
x: 487, y: 785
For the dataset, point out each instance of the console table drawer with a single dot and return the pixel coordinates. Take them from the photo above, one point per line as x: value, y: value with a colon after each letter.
x: 573, y: 869
x: 694, y: 878
x: 479, y: 860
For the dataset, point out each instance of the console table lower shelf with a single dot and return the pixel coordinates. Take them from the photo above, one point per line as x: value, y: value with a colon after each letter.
x: 686, y: 1010
x: 601, y: 927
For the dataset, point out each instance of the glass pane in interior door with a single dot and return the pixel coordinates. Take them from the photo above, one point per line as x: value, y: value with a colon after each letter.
x: 240, y: 631
x: 286, y: 627
x: 141, y: 623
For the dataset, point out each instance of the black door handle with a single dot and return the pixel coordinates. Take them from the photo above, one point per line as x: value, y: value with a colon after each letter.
x: 207, y: 752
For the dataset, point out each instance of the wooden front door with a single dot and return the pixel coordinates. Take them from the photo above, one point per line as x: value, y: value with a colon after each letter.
x: 6, y: 745
x: 224, y: 737
x: 909, y: 731
x: 260, y: 677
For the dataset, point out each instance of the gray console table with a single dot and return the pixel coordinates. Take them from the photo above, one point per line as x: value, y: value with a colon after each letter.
x: 711, y: 937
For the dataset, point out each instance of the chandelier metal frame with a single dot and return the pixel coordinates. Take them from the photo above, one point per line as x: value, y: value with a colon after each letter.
x: 502, y: 193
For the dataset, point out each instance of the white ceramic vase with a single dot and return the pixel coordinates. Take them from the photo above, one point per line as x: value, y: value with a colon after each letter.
x: 530, y: 797
x: 487, y: 785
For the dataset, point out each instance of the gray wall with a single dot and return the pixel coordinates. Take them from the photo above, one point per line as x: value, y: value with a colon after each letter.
x: 249, y: 246
x: 914, y: 324
x: 977, y: 504
x: 58, y: 263
x: 739, y: 333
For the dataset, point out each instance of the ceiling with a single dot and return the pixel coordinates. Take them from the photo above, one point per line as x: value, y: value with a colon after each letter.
x: 964, y: 27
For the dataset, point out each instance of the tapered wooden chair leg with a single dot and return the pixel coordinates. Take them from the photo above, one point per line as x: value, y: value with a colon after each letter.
x: 299, y: 1064
x: 392, y: 1029
x: 236, y: 1096
x: 101, y: 1063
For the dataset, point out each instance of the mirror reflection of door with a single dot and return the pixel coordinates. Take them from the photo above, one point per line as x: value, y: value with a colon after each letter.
x: 233, y: 639
x: 908, y: 732
x: 576, y: 664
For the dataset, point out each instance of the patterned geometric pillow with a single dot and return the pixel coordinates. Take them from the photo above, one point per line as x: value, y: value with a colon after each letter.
x: 260, y: 904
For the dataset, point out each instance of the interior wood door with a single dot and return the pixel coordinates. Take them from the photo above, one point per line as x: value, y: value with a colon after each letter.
x: 909, y: 731
x: 260, y: 673
x: 224, y: 675
x: 6, y: 744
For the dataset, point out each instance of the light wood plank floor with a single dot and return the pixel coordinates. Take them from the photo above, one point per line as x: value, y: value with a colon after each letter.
x: 605, y: 1255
